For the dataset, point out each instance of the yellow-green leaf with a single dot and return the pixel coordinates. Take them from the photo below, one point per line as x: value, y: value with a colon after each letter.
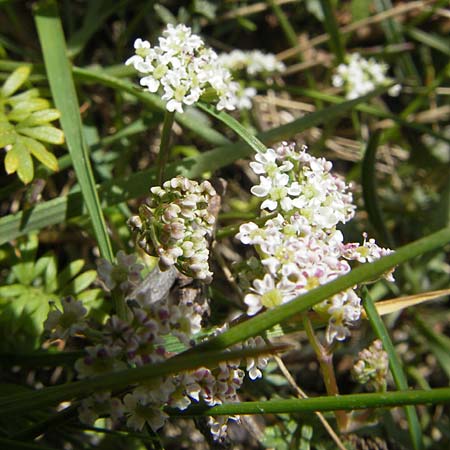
x: 25, y: 171
x: 15, y: 80
x: 24, y: 108
x: 40, y: 153
x: 41, y: 117
x: 44, y: 133
x: 12, y: 160
x: 25, y: 95
x: 7, y: 134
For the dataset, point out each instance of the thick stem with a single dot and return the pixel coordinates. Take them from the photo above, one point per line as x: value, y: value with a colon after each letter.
x: 325, y: 359
x: 164, y: 147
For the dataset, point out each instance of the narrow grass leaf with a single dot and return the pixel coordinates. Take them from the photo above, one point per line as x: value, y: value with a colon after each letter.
x: 369, y: 186
x: 26, y: 402
x: 437, y: 42
x: 439, y: 343
x: 335, y: 41
x: 395, y: 365
x: 239, y: 129
x: 59, y: 74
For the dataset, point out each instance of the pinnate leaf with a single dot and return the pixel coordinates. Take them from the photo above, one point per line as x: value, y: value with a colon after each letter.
x: 15, y: 80
x: 40, y: 153
x: 44, y: 133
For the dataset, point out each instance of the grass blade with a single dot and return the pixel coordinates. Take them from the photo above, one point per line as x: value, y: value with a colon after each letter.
x: 335, y: 41
x: 59, y: 74
x: 232, y: 123
x: 395, y: 366
x: 369, y: 186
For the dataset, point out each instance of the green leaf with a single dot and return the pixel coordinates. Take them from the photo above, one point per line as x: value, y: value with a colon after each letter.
x: 395, y: 366
x: 7, y: 134
x: 59, y: 73
x: 90, y: 295
x: 12, y: 290
x: 24, y: 108
x: 369, y: 184
x: 40, y: 153
x: 360, y: 9
x: 12, y: 160
x: 15, y: 80
x: 25, y: 170
x: 232, y: 123
x: 24, y: 269
x: 42, y: 263
x: 23, y: 96
x: 80, y: 283
x: 69, y: 272
x: 51, y: 275
x: 331, y: 26
x: 41, y: 117
x: 49, y: 134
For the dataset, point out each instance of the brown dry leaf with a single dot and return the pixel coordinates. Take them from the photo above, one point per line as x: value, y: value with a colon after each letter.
x: 397, y: 304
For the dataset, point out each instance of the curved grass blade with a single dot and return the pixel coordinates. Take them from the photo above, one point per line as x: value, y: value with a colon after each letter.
x: 25, y: 402
x: 335, y: 41
x: 369, y: 186
x: 395, y: 366
x: 59, y: 74
x: 232, y: 123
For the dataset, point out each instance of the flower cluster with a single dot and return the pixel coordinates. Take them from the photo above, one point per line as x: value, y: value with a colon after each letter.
x: 300, y: 248
x: 372, y: 367
x: 141, y: 339
x: 176, y: 225
x: 68, y: 322
x: 126, y: 274
x: 360, y: 76
x: 183, y: 69
x: 253, y: 62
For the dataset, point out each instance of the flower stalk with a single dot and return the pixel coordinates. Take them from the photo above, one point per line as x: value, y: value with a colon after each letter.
x: 163, y: 155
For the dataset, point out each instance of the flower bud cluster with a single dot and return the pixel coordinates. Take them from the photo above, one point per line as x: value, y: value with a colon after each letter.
x: 372, y: 367
x: 176, y: 226
x: 253, y: 63
x: 300, y: 248
x: 360, y: 76
x: 183, y: 69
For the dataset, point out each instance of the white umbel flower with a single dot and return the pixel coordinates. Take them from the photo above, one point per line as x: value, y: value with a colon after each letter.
x: 181, y: 68
x: 359, y: 76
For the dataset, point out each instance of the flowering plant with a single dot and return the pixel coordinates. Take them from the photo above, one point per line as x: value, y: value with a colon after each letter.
x: 359, y: 76
x: 184, y: 70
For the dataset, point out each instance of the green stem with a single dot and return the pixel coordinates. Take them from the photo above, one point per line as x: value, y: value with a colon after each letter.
x: 163, y: 156
x: 344, y: 402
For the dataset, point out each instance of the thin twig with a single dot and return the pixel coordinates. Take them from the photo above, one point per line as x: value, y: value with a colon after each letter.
x: 302, y: 394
